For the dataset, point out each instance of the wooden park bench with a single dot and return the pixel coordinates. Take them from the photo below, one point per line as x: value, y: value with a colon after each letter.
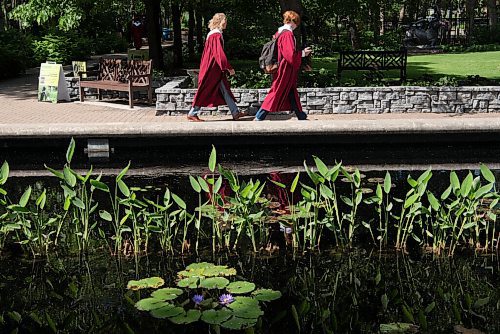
x: 119, y: 75
x: 373, y: 61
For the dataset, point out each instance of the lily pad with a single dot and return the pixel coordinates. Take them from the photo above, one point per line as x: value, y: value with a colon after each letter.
x: 216, y: 317
x: 167, y: 293
x: 200, y: 272
x: 167, y: 311
x: 240, y: 287
x: 219, y: 271
x: 151, y: 282
x: 200, y: 265
x: 398, y: 328
x: 214, y: 283
x: 239, y: 323
x: 190, y: 282
x: 188, y: 317
x: 266, y: 295
x: 246, y: 307
x: 149, y: 304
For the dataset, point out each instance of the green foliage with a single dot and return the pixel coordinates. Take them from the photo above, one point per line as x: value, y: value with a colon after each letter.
x: 62, y: 48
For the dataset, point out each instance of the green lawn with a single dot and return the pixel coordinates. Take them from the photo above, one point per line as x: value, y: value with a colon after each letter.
x: 485, y: 64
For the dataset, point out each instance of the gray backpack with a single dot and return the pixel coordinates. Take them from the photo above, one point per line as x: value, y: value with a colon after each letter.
x: 268, y: 59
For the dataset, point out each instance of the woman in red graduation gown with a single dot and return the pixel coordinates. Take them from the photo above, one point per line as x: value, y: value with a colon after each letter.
x: 283, y: 94
x: 213, y: 86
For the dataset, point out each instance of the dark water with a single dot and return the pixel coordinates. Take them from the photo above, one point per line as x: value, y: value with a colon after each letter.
x: 331, y: 292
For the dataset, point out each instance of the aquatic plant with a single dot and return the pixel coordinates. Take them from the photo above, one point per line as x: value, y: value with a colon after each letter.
x: 204, y: 284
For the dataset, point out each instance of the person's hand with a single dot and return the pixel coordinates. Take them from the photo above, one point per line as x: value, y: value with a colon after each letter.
x: 308, y: 51
x: 231, y: 71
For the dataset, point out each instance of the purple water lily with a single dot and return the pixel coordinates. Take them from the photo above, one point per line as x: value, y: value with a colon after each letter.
x: 197, y: 299
x: 226, y: 299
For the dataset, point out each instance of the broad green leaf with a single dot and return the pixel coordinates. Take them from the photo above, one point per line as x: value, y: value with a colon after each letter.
x: 149, y: 304
x: 236, y: 323
x: 99, y: 185
x: 70, y: 151
x: 410, y: 200
x: 214, y: 283
x: 433, y: 201
x: 190, y: 282
x: 151, y: 282
x: 78, y: 203
x: 430, y: 307
x: 216, y: 317
x: 105, y: 215
x: 446, y: 193
x: 212, y: 161
x: 69, y: 177
x: 387, y: 183
x: 123, y: 188
x: 266, y: 295
x: 218, y: 184
x: 167, y: 311
x: 167, y: 293
x: 322, y: 168
x: 385, y: 301
x: 281, y: 185
x: 55, y: 172
x: 483, y: 190
x: 40, y: 202
x: 455, y: 182
x: 25, y: 197
x: 179, y: 201
x: 326, y: 192
x: 188, y: 317
x: 4, y: 173
x: 294, y: 183
x: 240, y: 287
x: 481, y: 302
x: 466, y: 185
x: 123, y: 172
x: 196, y: 186
x: 203, y: 184
x: 407, y: 314
x: 487, y: 174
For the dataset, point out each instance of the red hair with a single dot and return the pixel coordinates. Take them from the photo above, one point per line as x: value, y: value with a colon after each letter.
x: 290, y: 16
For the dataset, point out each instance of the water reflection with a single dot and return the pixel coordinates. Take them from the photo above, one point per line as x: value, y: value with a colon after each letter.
x: 324, y: 293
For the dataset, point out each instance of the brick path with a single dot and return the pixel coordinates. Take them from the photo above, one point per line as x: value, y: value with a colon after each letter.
x: 19, y: 105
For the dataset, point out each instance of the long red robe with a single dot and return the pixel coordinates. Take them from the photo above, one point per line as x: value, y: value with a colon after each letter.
x: 212, y: 74
x: 285, y: 79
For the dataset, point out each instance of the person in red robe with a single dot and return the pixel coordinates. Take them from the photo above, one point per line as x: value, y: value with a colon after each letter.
x: 283, y: 94
x: 137, y: 30
x: 213, y: 86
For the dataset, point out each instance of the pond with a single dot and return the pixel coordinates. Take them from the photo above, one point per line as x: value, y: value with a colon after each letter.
x: 373, y: 251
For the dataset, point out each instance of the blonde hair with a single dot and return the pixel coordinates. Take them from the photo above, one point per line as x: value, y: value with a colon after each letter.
x: 216, y: 21
x: 291, y: 16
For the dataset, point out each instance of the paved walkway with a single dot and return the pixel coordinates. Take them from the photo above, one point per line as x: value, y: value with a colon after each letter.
x: 22, y: 115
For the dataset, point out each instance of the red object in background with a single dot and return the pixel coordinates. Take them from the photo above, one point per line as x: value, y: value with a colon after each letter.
x: 285, y: 79
x: 137, y: 31
x: 212, y: 74
x: 281, y: 193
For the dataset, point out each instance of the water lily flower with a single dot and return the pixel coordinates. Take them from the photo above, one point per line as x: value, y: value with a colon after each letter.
x: 226, y: 299
x: 197, y: 299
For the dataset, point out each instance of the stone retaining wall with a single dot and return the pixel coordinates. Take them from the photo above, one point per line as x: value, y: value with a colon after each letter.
x: 172, y: 100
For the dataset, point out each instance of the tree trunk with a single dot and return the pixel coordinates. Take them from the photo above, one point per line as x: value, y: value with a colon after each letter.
x: 295, y: 5
x: 354, y: 34
x: 191, y: 27
x: 153, y: 10
x: 375, y: 17
x: 199, y: 31
x: 492, y: 14
x: 176, y: 22
x: 382, y: 20
x: 470, y: 7
x: 4, y: 16
x: 402, y: 13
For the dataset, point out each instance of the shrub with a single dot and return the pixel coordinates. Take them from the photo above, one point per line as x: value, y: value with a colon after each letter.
x: 15, y: 53
x: 61, y: 48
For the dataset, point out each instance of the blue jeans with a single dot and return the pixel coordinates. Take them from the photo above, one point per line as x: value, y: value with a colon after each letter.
x: 261, y: 114
x: 229, y: 101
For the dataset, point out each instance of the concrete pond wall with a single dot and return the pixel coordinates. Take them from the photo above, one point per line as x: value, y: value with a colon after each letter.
x: 171, y: 99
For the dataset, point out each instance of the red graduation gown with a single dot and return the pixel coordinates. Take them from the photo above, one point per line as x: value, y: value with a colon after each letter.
x: 212, y: 74
x: 285, y: 79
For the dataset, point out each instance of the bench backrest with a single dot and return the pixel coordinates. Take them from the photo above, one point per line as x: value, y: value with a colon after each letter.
x: 373, y: 60
x: 110, y: 69
x: 120, y: 70
x: 140, y: 67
